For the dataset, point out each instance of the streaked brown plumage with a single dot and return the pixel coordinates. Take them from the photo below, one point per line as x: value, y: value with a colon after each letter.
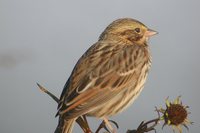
x: 109, y: 76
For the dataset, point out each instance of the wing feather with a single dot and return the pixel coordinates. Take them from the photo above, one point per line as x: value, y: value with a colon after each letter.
x: 105, y: 66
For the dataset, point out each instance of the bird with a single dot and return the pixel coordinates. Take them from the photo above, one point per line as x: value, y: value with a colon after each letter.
x: 109, y: 76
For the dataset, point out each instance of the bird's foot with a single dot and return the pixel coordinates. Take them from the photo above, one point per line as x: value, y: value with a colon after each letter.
x: 107, y: 126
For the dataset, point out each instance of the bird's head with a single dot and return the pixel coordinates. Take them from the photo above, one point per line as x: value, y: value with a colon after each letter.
x: 129, y: 30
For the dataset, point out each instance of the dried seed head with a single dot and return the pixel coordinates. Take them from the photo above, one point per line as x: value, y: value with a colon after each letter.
x: 175, y: 114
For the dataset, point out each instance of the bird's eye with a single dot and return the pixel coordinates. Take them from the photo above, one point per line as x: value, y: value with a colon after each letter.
x: 137, y: 30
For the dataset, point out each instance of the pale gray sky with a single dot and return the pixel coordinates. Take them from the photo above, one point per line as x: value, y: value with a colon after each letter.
x: 41, y: 40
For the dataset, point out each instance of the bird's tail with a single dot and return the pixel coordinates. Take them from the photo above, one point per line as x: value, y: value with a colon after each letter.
x: 65, y: 126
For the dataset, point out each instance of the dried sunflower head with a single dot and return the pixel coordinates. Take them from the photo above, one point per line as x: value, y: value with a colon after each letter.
x: 175, y: 114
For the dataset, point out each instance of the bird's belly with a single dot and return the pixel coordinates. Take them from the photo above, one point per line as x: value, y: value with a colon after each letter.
x: 118, y: 103
x: 124, y: 99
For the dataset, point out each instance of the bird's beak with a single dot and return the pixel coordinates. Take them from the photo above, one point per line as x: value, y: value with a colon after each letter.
x: 150, y: 33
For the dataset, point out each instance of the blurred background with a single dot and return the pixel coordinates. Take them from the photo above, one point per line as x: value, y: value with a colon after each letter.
x: 41, y: 40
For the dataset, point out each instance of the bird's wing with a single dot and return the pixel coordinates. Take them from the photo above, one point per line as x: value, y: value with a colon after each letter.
x: 98, y: 76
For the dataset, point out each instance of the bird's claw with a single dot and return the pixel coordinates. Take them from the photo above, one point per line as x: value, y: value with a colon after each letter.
x: 103, y: 125
x: 115, y: 123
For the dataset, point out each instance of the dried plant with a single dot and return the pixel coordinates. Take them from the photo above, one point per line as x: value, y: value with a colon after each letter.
x: 174, y: 115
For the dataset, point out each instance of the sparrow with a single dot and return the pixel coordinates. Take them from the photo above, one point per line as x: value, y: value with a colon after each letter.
x: 109, y: 76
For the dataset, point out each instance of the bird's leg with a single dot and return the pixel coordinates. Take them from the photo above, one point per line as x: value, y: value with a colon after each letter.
x: 103, y: 125
x: 88, y: 128
x: 82, y: 121
x: 84, y: 117
x: 109, y: 125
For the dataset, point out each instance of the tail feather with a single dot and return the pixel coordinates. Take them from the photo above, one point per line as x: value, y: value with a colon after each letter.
x: 65, y: 126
